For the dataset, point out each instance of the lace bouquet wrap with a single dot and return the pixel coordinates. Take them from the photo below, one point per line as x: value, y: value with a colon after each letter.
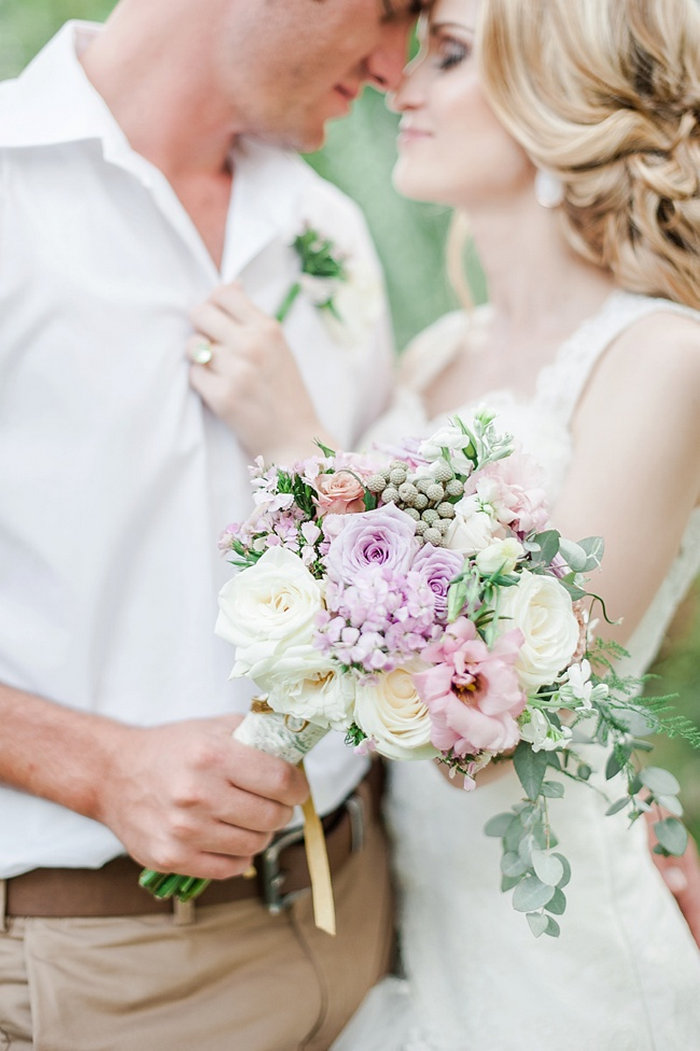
x: 420, y: 602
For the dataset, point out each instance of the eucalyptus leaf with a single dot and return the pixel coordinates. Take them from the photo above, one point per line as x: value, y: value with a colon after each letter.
x: 567, y: 871
x: 548, y: 543
x: 616, y: 807
x: 616, y: 761
x: 584, y: 771
x: 548, y: 868
x: 574, y: 590
x: 530, y: 767
x: 508, y: 882
x: 659, y: 781
x: 531, y: 894
x: 513, y: 835
x: 538, y: 922
x: 557, y: 903
x: 672, y: 836
x: 552, y: 789
x: 594, y: 546
x: 573, y: 554
x: 525, y: 850
x: 553, y: 929
x: 497, y: 826
x: 513, y: 865
x: 672, y: 804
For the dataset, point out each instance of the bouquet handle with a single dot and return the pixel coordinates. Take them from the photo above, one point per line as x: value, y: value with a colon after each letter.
x: 288, y: 738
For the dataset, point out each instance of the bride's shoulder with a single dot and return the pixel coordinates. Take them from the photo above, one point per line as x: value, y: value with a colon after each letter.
x: 661, y: 347
x: 432, y: 350
x: 651, y: 371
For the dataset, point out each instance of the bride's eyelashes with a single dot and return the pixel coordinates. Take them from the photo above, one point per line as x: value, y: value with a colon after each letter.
x: 449, y: 51
x: 452, y: 53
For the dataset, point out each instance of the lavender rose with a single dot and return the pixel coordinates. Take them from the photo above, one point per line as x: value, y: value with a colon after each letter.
x: 384, y: 538
x: 438, y: 567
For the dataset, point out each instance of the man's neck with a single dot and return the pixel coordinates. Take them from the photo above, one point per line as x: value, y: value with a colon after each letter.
x: 164, y: 106
x: 169, y: 117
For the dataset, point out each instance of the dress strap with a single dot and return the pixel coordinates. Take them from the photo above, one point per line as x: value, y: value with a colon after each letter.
x: 561, y: 384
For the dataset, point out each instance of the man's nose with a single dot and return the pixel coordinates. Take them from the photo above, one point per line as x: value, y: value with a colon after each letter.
x: 385, y: 65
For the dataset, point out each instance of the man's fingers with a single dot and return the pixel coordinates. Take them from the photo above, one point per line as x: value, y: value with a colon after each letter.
x: 265, y: 775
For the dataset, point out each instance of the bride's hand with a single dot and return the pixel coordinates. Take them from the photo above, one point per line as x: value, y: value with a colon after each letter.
x: 251, y: 380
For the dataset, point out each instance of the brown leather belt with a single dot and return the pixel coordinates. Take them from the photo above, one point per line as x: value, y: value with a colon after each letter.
x: 281, y: 871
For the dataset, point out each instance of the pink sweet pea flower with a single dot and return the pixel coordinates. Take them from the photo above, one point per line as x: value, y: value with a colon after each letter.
x: 472, y: 693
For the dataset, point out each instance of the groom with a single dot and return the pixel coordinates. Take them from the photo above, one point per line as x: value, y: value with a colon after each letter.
x: 142, y: 165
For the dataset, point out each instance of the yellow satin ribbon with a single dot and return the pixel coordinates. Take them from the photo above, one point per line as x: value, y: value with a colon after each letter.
x: 319, y: 868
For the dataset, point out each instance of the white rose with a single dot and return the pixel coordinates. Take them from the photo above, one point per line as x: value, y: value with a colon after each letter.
x: 268, y: 612
x: 500, y: 556
x: 393, y: 715
x: 542, y: 609
x: 471, y: 529
x: 324, y: 697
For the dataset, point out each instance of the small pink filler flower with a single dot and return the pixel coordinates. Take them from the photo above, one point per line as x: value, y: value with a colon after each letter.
x: 472, y: 692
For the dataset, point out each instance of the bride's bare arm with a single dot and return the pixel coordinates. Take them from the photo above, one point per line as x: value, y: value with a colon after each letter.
x: 635, y: 472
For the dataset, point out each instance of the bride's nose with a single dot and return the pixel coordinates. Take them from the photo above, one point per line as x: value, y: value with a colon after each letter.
x: 409, y: 92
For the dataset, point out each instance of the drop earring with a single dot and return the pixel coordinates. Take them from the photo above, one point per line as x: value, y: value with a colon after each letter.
x: 549, y: 189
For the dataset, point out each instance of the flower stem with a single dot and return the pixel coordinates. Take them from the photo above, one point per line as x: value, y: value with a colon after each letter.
x: 286, y: 304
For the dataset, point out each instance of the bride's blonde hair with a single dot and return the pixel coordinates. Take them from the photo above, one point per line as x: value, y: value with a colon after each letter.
x: 606, y: 95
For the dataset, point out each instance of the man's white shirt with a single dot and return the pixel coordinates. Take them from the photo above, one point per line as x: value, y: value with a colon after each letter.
x: 115, y: 481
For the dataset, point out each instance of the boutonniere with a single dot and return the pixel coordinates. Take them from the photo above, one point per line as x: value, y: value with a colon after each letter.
x: 347, y: 292
x: 322, y: 271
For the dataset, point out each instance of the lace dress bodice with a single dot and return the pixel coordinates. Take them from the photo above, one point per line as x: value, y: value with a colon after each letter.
x: 625, y: 973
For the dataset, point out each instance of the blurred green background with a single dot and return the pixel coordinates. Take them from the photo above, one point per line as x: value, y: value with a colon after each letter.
x: 358, y: 156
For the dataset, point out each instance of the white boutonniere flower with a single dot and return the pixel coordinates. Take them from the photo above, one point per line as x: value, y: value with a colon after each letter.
x: 347, y: 295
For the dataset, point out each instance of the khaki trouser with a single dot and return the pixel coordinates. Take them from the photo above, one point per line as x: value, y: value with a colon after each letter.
x: 236, y: 979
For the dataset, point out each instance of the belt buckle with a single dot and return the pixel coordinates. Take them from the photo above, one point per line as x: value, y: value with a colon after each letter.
x: 272, y: 876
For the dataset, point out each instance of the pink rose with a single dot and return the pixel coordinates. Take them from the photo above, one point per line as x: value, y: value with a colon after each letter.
x: 472, y: 693
x: 341, y: 493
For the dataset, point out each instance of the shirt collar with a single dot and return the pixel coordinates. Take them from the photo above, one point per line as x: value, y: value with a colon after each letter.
x: 52, y: 101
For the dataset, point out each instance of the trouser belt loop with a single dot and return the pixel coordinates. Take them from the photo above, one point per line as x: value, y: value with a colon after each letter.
x: 3, y: 905
x: 183, y: 912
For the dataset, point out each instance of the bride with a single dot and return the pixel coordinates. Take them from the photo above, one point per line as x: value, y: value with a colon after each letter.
x: 567, y: 131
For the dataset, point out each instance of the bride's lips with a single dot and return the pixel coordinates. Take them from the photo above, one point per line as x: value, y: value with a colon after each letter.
x: 409, y: 134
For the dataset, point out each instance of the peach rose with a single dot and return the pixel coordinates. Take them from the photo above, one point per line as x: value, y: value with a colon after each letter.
x: 341, y: 493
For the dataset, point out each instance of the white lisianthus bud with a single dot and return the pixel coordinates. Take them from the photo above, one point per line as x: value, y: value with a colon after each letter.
x: 500, y: 556
x: 471, y: 529
x: 541, y: 734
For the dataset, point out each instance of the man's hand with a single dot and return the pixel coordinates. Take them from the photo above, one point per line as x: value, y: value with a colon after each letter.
x: 188, y: 798
x: 184, y: 797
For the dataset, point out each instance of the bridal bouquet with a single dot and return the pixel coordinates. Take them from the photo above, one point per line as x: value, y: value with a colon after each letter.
x: 425, y: 607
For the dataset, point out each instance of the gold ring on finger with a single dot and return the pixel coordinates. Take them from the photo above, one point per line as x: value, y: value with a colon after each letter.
x: 202, y: 352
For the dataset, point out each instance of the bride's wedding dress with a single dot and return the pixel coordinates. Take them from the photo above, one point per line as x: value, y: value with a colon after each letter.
x: 625, y: 973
